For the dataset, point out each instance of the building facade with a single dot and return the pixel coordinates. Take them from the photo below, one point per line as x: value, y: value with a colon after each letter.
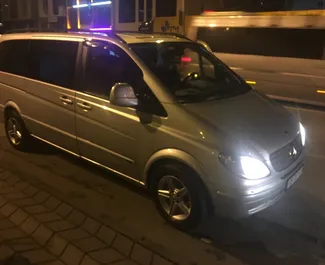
x: 168, y: 15
x: 308, y: 4
x: 124, y: 14
x: 261, y: 5
x: 33, y: 14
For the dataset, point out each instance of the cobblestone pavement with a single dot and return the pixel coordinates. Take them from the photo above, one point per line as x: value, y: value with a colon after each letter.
x: 45, y: 230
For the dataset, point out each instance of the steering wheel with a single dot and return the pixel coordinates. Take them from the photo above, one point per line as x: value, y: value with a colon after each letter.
x: 190, y: 76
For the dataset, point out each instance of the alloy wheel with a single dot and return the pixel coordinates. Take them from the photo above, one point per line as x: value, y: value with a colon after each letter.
x: 14, y: 131
x: 174, y: 198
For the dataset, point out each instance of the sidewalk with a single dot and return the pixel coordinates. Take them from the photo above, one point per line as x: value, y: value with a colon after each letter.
x: 60, y: 194
x: 45, y: 230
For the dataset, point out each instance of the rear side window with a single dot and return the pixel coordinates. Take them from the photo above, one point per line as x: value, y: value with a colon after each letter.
x: 14, y: 57
x: 54, y: 61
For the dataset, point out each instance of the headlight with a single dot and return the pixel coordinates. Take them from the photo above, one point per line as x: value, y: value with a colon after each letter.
x: 253, y: 168
x: 245, y: 166
x: 302, y: 134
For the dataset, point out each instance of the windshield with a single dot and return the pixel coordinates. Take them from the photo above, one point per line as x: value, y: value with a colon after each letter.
x: 190, y: 72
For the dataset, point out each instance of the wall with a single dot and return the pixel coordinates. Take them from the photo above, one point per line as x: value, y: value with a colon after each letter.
x: 31, y: 14
x: 308, y: 4
x: 196, y: 7
x: 171, y: 24
x: 23, y: 9
x: 47, y: 11
x: 306, y: 44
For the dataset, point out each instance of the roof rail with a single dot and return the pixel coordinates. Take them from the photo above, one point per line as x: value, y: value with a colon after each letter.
x: 108, y: 33
x: 115, y: 33
x: 178, y: 35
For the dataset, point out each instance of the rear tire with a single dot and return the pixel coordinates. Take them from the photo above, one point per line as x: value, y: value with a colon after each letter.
x: 179, y: 196
x: 16, y: 131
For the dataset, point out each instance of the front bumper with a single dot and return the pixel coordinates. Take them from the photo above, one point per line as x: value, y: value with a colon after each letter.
x: 242, y: 205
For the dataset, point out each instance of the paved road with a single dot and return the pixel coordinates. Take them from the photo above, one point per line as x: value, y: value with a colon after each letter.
x: 290, y: 232
x: 286, y: 77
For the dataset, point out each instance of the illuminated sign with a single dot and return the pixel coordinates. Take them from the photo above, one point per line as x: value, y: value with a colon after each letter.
x: 93, y: 4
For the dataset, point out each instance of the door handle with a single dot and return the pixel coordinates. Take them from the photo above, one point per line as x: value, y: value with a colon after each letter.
x: 84, y: 106
x: 66, y: 100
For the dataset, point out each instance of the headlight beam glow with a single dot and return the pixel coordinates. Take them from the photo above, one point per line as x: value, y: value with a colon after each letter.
x: 253, y: 168
x: 247, y: 167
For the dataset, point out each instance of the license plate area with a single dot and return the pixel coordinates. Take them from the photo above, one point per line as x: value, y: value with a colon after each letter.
x: 294, y: 178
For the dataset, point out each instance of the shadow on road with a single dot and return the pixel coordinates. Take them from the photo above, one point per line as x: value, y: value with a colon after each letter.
x: 288, y: 233
x: 38, y: 147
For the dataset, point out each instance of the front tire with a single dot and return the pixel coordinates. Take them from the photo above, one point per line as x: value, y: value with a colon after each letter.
x: 16, y: 131
x: 179, y: 196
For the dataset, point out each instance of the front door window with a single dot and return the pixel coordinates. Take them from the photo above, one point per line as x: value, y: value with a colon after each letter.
x: 107, y: 65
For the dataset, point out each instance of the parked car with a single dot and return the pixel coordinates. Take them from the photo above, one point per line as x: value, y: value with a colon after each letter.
x: 157, y: 109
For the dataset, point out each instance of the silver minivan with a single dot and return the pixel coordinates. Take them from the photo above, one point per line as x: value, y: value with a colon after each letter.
x: 157, y: 109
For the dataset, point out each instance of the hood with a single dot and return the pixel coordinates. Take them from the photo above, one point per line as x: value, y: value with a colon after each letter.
x: 256, y: 121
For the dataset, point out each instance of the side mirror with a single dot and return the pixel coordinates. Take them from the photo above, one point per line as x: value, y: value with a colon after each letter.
x: 123, y: 95
x: 205, y: 45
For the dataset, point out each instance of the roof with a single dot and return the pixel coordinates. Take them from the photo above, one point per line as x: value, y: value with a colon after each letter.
x: 126, y: 37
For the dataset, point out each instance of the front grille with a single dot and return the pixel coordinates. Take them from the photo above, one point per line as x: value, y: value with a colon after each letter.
x: 284, y: 157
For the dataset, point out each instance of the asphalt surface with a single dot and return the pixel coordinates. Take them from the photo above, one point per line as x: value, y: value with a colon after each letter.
x: 290, y: 232
x: 300, y: 79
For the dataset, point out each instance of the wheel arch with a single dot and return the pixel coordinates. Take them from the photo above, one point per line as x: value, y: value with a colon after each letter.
x: 175, y: 155
x: 181, y: 157
x: 10, y: 105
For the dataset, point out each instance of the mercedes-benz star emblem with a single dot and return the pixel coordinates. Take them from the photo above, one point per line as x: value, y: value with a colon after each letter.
x: 293, y: 152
